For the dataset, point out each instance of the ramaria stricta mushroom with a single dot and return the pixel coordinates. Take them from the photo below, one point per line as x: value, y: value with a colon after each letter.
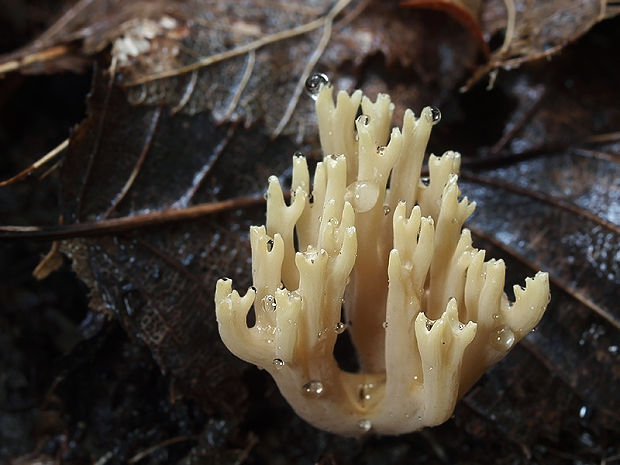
x: 372, y: 241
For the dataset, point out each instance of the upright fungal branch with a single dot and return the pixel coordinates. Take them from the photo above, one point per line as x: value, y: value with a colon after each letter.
x: 426, y: 313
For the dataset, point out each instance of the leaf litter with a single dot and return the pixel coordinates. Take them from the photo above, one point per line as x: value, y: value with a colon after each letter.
x: 194, y: 140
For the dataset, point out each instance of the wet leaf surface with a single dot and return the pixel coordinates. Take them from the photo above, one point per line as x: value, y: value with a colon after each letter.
x: 539, y: 157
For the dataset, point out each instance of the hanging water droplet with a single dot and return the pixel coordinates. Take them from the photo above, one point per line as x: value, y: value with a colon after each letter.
x: 269, y: 303
x: 313, y: 388
x: 502, y: 339
x: 385, y: 325
x: 339, y: 327
x: 425, y: 181
x: 429, y: 324
x: 278, y: 363
x: 364, y: 425
x: 436, y: 114
x: 314, y: 84
x: 364, y: 120
x: 269, y: 245
x: 362, y: 195
x: 381, y: 150
x: 583, y: 411
x: 386, y: 210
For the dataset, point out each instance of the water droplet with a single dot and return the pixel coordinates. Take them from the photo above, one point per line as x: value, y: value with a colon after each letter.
x: 269, y: 245
x: 364, y: 120
x: 188, y: 259
x: 362, y: 195
x: 269, y: 303
x: 313, y: 388
x: 386, y: 210
x: 364, y: 425
x: 365, y: 391
x: 436, y: 114
x: 502, y: 339
x: 156, y: 273
x: 340, y: 327
x: 425, y: 181
x: 385, y: 325
x: 132, y: 301
x: 381, y: 150
x: 429, y: 324
x: 314, y: 84
x: 583, y: 411
x: 278, y: 363
x: 415, y: 378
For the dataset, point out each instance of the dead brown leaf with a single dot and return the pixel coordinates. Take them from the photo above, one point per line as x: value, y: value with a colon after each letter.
x: 534, y: 29
x: 194, y: 147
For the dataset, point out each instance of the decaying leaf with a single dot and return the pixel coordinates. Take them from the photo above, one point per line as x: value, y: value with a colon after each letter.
x: 539, y: 157
x: 533, y: 29
x: 465, y: 12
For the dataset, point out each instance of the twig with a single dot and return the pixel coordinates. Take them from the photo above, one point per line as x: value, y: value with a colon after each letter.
x: 189, y: 90
x: 148, y: 451
x: 252, y: 441
x: 249, y: 67
x: 126, y: 223
x: 37, y: 164
x: 242, y: 49
x: 47, y: 54
x: 511, y: 19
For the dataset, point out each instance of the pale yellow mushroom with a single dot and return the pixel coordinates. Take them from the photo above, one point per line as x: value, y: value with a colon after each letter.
x: 426, y: 314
